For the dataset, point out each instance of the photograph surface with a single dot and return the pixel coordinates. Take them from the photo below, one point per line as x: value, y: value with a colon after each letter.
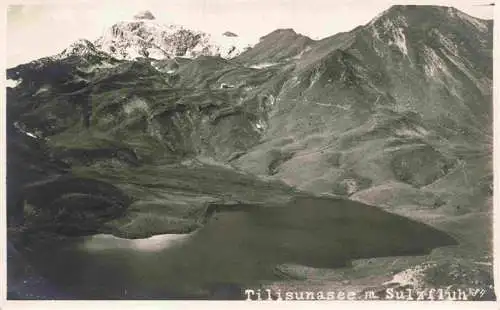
x: 249, y: 150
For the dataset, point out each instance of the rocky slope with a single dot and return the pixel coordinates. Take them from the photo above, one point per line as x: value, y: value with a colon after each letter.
x: 414, y: 92
x: 396, y: 114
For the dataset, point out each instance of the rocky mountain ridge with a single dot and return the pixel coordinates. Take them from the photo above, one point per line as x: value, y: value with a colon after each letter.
x: 145, y: 37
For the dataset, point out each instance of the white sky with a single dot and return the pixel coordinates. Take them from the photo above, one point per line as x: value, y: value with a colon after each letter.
x: 38, y: 30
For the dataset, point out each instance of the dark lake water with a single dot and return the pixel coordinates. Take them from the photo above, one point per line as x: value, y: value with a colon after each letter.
x: 234, y: 250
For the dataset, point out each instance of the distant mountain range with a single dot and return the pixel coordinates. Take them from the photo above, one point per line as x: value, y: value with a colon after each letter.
x: 396, y: 114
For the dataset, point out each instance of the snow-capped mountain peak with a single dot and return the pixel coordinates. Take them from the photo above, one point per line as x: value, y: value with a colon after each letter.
x: 144, y: 36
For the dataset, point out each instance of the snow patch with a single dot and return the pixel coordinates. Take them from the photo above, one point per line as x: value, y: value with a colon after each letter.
x: 447, y: 43
x: 30, y: 134
x: 315, y: 78
x: 260, y: 126
x: 395, y: 29
x: 13, y: 83
x: 434, y: 65
x: 417, y: 132
x: 226, y: 86
x: 25, y: 132
x: 42, y: 90
x: 136, y: 104
x: 264, y: 65
x: 323, y: 104
x: 413, y: 277
x: 344, y: 106
x: 400, y: 40
x: 376, y: 34
x: 272, y: 100
x: 298, y: 56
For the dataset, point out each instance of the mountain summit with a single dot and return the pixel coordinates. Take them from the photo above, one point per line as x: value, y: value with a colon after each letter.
x: 144, y: 15
x: 83, y: 48
x: 146, y: 37
x: 279, y: 45
x: 229, y: 34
